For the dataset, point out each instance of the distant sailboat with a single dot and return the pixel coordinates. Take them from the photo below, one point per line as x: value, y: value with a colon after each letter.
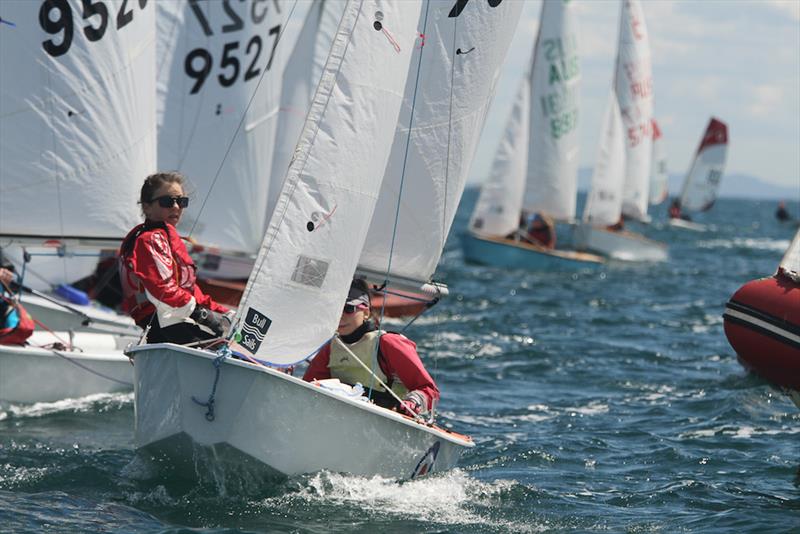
x: 659, y: 178
x: 535, y: 168
x: 762, y: 324
x: 700, y: 187
x: 77, y: 135
x: 621, y: 177
x: 263, y: 418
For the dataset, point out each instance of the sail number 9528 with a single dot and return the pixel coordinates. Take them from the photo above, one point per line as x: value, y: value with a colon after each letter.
x: 55, y: 17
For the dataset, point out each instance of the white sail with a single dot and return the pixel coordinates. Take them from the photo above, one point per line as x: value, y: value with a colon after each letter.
x: 604, y: 202
x: 447, y: 98
x: 634, y: 87
x: 77, y: 116
x: 702, y: 181
x: 219, y: 90
x: 300, y: 79
x: 552, y: 177
x: 497, y: 211
x: 309, y: 253
x: 659, y: 186
x: 790, y: 263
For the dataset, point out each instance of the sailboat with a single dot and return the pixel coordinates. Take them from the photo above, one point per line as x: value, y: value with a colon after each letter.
x: 659, y: 178
x: 621, y: 177
x: 258, y: 416
x: 535, y: 168
x: 77, y: 134
x: 702, y: 181
x: 762, y: 324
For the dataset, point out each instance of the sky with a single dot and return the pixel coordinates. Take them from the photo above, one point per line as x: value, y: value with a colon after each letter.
x: 737, y: 60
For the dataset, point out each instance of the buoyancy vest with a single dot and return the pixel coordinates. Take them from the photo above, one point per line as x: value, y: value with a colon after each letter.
x: 366, y: 349
x: 18, y: 333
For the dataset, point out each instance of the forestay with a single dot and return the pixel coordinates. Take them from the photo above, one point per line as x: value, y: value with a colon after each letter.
x: 659, y: 187
x: 604, y: 202
x: 702, y: 182
x: 552, y: 176
x: 300, y: 79
x: 77, y: 116
x: 465, y: 44
x: 219, y: 81
x: 634, y: 87
x: 499, y: 205
x: 309, y: 253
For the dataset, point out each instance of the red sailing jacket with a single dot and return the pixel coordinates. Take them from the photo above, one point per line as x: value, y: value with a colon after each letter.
x: 154, y: 259
x: 400, y: 360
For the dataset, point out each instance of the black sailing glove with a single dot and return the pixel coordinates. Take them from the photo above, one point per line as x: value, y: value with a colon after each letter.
x: 216, y: 322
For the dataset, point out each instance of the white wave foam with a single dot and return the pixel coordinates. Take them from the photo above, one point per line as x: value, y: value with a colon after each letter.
x: 14, y: 474
x: 742, y: 432
x: 79, y: 405
x: 761, y: 243
x: 450, y: 498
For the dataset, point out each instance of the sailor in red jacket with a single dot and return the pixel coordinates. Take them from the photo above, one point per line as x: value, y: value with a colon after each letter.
x: 158, y: 275
x: 392, y: 357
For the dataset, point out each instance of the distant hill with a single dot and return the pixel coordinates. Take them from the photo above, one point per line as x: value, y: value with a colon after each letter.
x: 733, y: 185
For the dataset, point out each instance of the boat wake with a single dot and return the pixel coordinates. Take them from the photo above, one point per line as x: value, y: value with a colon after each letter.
x: 452, y: 498
x: 99, y: 403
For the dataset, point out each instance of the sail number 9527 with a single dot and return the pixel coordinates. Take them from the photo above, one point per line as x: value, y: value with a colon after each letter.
x: 199, y: 62
x: 55, y: 17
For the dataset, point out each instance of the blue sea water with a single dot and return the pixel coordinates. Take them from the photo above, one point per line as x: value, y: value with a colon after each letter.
x: 606, y: 401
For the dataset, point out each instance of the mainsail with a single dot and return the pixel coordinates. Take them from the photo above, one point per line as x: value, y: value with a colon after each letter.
x: 311, y: 247
x: 77, y: 117
x: 604, y: 201
x: 499, y: 205
x: 702, y: 181
x: 219, y: 82
x: 659, y: 186
x: 535, y: 167
x: 465, y: 44
x: 300, y: 78
x: 790, y: 263
x: 77, y: 131
x: 633, y: 85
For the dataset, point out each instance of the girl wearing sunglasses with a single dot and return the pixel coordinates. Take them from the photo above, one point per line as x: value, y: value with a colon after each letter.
x: 158, y: 275
x: 392, y: 357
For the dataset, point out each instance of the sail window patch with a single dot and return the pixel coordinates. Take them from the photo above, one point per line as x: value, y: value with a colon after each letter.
x: 309, y: 271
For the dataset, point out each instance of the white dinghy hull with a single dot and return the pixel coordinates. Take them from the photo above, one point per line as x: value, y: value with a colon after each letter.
x: 263, y: 418
x: 625, y: 246
x: 32, y: 374
x: 687, y: 225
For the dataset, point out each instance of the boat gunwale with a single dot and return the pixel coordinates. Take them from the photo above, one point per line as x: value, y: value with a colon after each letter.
x: 573, y: 255
x: 454, y: 437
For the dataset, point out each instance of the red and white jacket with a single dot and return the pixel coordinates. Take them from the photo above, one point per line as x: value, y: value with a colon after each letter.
x: 158, y: 276
x: 400, y: 361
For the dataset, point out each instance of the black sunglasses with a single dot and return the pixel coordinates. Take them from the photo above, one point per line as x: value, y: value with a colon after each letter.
x: 167, y: 201
x: 350, y: 308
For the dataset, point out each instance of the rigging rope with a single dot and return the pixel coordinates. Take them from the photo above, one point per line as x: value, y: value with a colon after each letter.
x: 400, y: 190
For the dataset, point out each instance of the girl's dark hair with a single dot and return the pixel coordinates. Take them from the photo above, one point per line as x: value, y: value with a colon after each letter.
x: 153, y: 182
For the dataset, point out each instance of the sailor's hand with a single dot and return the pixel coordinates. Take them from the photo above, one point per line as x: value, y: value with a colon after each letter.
x: 409, y: 407
x: 216, y: 322
x: 414, y: 403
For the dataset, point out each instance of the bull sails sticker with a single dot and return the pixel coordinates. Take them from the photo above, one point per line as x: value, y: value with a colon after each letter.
x: 254, y: 328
